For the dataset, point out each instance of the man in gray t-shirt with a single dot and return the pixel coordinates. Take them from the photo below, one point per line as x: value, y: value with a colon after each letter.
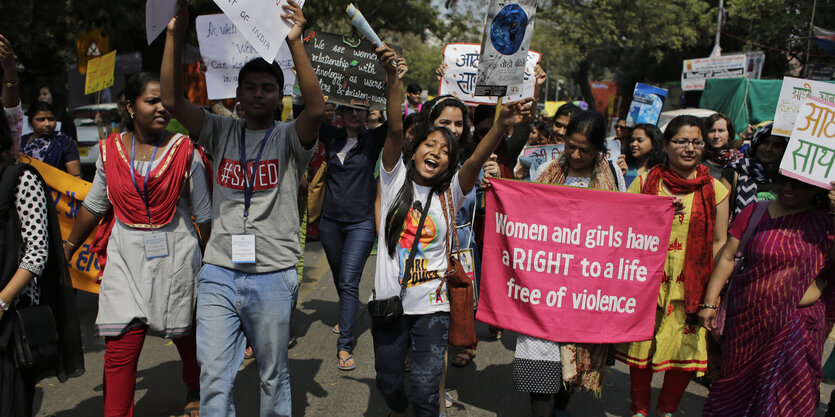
x: 247, y: 288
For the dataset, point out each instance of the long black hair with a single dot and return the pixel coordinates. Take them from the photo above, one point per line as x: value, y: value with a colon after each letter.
x: 656, y: 138
x: 59, y: 104
x: 134, y: 87
x: 37, y: 107
x: 432, y: 110
x: 400, y: 208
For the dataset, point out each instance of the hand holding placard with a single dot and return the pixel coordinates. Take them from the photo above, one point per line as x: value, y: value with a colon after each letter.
x: 295, y: 15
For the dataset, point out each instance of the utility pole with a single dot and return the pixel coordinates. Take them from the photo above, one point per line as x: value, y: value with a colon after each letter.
x: 809, y: 41
x: 717, y: 50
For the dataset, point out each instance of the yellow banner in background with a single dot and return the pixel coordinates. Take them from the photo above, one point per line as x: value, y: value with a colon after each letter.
x: 100, y: 73
x: 67, y: 193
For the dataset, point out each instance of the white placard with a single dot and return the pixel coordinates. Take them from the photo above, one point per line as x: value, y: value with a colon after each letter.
x: 225, y: 51
x: 260, y: 22
x: 810, y: 153
x: 461, y: 61
x: 694, y: 72
x: 508, y: 29
x: 793, y: 93
x: 157, y: 15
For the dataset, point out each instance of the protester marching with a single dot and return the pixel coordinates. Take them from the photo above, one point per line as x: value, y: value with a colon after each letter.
x: 566, y: 257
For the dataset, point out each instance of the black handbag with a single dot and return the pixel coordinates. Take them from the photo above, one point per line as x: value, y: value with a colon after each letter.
x: 35, y: 336
x: 391, y: 308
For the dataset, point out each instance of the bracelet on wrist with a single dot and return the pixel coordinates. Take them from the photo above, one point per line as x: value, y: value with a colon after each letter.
x: 710, y: 306
x: 4, y: 306
x: 10, y: 84
x: 72, y: 245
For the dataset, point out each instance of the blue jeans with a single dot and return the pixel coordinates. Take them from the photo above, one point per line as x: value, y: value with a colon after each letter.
x: 426, y: 337
x: 234, y: 305
x: 347, y: 246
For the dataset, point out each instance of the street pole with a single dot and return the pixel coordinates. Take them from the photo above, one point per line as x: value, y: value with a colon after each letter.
x: 719, y: 24
x: 809, y: 41
x: 547, y: 78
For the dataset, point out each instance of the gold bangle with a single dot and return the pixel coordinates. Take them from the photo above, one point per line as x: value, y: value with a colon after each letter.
x: 72, y: 244
x: 11, y: 84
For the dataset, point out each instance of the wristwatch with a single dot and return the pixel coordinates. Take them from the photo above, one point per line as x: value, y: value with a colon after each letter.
x: 4, y: 305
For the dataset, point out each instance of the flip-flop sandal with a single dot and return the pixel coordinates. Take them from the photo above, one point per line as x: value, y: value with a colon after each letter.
x: 192, y: 396
x: 335, y: 329
x: 343, y: 363
x: 463, y: 358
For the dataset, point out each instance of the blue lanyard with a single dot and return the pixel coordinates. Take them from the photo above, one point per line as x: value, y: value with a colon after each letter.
x: 143, y: 195
x: 249, y: 181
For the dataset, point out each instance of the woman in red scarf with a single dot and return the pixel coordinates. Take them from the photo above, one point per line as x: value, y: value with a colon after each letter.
x: 700, y: 226
x: 149, y: 184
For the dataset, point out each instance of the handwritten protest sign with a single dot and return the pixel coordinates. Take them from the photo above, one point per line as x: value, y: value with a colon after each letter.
x: 100, y: 73
x: 695, y: 71
x: 348, y: 70
x: 67, y: 193
x: 581, y: 267
x: 646, y: 105
x: 157, y: 15
x: 504, y: 47
x: 461, y: 61
x: 225, y: 50
x: 810, y: 153
x: 535, y: 156
x: 793, y: 92
x: 260, y: 23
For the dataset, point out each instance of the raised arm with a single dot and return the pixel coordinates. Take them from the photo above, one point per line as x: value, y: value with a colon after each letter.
x: 510, y: 114
x: 171, y: 75
x: 308, y: 122
x: 393, y: 148
x: 11, y: 91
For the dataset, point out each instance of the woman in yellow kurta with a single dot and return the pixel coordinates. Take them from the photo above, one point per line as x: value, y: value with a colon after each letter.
x: 679, y: 346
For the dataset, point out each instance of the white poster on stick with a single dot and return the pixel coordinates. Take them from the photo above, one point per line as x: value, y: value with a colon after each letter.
x: 157, y: 15
x: 225, y: 51
x: 504, y: 47
x: 810, y: 153
x: 793, y: 93
x: 260, y: 22
x: 461, y: 61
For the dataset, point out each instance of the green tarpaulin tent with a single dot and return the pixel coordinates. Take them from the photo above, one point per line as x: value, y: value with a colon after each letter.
x: 744, y: 100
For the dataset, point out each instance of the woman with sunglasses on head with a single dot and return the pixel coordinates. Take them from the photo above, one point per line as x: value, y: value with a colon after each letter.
x: 699, y: 230
x: 412, y: 190
x: 775, y: 322
x: 148, y: 187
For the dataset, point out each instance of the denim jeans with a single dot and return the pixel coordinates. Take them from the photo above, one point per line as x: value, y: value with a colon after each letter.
x: 347, y: 246
x: 425, y: 336
x: 231, y: 306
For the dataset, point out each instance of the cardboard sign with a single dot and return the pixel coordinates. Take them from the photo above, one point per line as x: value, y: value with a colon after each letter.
x: 260, y: 23
x: 348, y: 70
x: 100, y: 73
x: 67, y: 193
x: 461, y: 61
x: 580, y: 268
x: 695, y: 71
x: 810, y: 153
x: 534, y: 157
x: 646, y: 105
x: 157, y: 15
x: 225, y: 51
x: 793, y: 93
x: 504, y: 47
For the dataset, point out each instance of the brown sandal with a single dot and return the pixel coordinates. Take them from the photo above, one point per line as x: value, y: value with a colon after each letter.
x: 464, y: 357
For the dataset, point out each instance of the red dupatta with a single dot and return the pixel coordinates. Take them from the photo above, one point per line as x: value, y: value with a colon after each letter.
x: 698, y: 257
x: 165, y: 184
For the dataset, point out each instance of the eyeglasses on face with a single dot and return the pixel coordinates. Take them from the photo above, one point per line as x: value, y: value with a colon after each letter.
x: 682, y: 143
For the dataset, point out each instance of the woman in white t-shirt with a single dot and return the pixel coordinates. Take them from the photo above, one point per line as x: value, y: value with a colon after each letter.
x: 406, y: 189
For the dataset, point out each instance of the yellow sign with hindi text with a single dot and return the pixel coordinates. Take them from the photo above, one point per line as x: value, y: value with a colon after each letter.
x: 100, y: 73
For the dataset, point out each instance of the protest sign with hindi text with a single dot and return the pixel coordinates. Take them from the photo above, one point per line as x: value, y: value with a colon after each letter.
x: 793, y: 93
x: 695, y: 71
x: 225, y: 51
x: 573, y: 265
x: 810, y: 153
x: 348, y: 70
x: 100, y: 73
x: 504, y: 47
x: 461, y: 61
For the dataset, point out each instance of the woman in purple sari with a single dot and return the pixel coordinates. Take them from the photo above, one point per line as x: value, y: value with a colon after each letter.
x: 776, y: 318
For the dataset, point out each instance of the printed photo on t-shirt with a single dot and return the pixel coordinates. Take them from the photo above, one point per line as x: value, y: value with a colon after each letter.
x: 429, y: 240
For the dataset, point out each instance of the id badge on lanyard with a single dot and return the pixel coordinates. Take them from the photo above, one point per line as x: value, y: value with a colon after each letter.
x: 156, y: 245
x: 243, y: 245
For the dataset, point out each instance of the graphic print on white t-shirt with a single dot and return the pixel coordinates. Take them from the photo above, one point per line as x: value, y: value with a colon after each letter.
x: 429, y: 240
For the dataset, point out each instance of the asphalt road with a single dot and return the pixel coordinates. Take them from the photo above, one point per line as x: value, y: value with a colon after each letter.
x: 483, y: 388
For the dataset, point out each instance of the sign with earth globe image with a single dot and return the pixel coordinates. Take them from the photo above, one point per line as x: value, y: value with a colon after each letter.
x: 504, y: 47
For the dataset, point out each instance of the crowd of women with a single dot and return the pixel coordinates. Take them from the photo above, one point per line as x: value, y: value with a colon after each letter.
x: 745, y: 287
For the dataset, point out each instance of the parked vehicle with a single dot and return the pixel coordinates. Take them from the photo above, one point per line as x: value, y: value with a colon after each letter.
x: 88, y: 133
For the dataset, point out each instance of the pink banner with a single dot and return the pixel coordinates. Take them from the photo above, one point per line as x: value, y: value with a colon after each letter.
x: 573, y: 265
